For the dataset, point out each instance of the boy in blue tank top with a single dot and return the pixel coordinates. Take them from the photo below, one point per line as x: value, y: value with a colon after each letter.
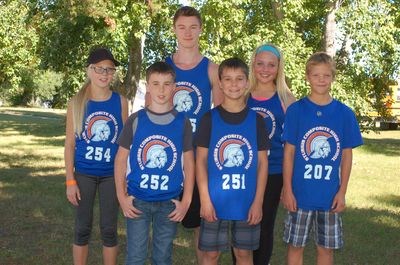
x: 196, y: 88
x: 155, y: 161
x: 231, y: 169
x: 319, y: 135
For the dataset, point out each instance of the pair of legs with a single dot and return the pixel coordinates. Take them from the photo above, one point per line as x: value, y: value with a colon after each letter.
x: 295, y: 255
x: 324, y: 225
x: 214, y: 238
x: 108, y: 203
x: 154, y: 215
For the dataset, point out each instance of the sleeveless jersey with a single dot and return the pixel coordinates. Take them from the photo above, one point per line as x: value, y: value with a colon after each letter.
x: 232, y: 166
x: 193, y: 90
x: 155, y: 161
x: 274, y: 116
x: 319, y: 134
x: 95, y: 150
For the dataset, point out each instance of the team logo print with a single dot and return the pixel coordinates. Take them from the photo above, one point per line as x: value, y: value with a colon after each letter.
x: 269, y: 119
x: 233, y: 151
x: 320, y: 143
x: 187, y: 98
x: 157, y: 151
x: 99, y: 127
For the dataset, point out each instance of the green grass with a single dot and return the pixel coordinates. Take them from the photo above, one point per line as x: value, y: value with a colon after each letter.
x: 36, y: 221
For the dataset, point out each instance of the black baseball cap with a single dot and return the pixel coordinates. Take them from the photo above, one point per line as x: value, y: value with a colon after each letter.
x: 101, y: 54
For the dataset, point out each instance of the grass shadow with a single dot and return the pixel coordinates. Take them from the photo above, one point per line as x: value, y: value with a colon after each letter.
x: 385, y: 146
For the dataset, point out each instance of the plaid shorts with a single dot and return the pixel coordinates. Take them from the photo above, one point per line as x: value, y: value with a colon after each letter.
x: 326, y: 226
x: 215, y: 236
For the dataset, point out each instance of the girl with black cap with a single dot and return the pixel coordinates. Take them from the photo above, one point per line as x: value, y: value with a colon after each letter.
x: 95, y: 118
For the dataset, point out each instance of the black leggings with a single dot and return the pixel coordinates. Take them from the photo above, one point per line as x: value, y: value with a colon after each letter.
x: 270, y: 206
x: 88, y: 186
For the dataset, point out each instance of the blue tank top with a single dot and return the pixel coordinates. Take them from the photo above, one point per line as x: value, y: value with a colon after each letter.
x: 193, y: 91
x: 274, y: 116
x: 232, y: 166
x: 155, y: 161
x: 319, y: 134
x: 95, y: 150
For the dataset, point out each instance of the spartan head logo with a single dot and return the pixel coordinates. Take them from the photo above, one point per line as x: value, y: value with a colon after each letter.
x: 99, y: 130
x: 317, y: 145
x: 233, y: 155
x: 156, y: 156
x: 320, y: 147
x: 182, y: 100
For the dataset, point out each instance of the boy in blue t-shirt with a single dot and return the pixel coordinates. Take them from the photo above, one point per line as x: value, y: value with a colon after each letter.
x: 231, y: 169
x: 319, y: 135
x: 155, y: 161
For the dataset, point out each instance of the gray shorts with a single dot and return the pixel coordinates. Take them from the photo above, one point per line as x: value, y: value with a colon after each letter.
x: 326, y: 227
x: 215, y: 236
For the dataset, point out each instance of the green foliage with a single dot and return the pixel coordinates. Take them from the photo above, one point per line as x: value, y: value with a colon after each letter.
x: 18, y: 42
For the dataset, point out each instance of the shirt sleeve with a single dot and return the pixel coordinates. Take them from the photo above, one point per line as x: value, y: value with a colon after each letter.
x: 263, y: 142
x: 352, y: 135
x: 290, y: 127
x: 126, y: 137
x: 187, y: 136
x: 203, y: 134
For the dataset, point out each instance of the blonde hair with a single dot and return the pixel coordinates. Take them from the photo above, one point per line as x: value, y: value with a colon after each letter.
x: 282, y: 88
x: 79, y: 103
x: 321, y: 58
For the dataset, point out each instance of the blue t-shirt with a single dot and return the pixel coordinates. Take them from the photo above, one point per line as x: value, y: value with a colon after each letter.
x: 274, y: 116
x: 155, y: 168
x: 95, y: 150
x: 193, y: 90
x: 232, y: 166
x: 319, y: 134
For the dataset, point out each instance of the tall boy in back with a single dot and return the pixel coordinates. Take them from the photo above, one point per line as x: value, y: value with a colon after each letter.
x: 231, y: 169
x: 154, y: 159
x: 319, y: 135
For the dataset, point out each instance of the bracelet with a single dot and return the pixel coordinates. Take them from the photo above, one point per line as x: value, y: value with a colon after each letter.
x: 70, y: 182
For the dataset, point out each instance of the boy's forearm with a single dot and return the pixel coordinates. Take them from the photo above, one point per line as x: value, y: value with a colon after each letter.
x: 120, y: 173
x: 288, y: 158
x: 345, y: 169
x: 202, y: 174
x: 188, y: 183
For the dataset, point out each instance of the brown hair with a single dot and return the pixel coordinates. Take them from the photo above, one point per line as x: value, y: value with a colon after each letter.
x: 321, y: 58
x: 187, y: 11
x: 160, y: 68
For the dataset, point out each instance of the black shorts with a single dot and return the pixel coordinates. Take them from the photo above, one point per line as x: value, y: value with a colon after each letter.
x: 192, y: 218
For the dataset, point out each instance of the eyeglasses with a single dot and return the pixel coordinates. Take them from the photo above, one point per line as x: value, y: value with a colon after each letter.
x: 100, y: 70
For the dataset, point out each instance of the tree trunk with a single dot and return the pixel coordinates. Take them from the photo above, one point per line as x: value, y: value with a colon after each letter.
x: 330, y: 27
x: 132, y: 77
x: 276, y: 7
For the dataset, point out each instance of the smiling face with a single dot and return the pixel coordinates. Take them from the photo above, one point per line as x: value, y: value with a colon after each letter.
x: 187, y: 31
x: 101, y: 80
x: 233, y: 83
x: 266, y: 65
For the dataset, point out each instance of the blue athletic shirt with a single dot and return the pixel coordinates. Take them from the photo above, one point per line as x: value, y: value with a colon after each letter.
x: 95, y: 150
x: 193, y: 90
x: 319, y: 134
x: 232, y: 166
x: 155, y: 169
x: 274, y: 116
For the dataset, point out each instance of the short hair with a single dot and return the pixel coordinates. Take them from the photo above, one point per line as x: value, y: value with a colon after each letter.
x: 233, y: 63
x: 160, y: 68
x: 321, y: 58
x: 187, y: 11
